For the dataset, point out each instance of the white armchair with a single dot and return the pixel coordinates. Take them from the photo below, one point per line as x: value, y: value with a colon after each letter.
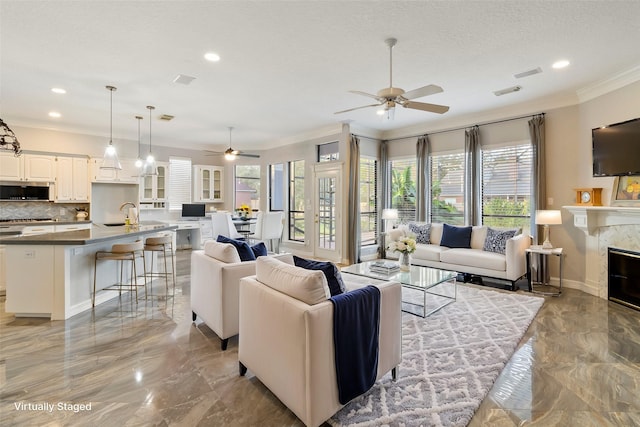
x: 215, y: 275
x: 288, y: 343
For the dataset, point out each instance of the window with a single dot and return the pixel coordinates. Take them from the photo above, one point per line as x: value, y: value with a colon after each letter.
x: 506, y: 186
x: 403, y: 189
x: 276, y: 187
x: 296, y: 201
x: 329, y: 152
x: 447, y: 188
x: 247, y: 186
x: 179, y: 182
x: 368, y: 201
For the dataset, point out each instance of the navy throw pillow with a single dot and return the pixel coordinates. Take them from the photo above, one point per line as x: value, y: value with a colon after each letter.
x: 259, y: 249
x: 331, y: 272
x: 456, y: 237
x: 243, y: 248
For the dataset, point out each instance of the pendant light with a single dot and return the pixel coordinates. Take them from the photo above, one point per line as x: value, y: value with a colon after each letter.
x: 150, y: 164
x: 110, y: 160
x: 139, y: 162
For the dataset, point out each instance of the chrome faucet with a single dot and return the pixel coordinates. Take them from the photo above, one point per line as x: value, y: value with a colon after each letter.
x: 133, y: 205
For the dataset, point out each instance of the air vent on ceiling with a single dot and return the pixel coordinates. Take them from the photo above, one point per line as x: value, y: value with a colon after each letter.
x: 528, y: 73
x: 183, y: 79
x: 166, y: 117
x: 507, y: 90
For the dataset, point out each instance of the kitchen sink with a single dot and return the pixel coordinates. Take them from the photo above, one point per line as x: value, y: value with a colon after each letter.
x: 113, y: 224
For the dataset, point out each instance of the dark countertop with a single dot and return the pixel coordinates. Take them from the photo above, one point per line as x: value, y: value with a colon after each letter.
x: 52, y: 222
x: 96, y: 234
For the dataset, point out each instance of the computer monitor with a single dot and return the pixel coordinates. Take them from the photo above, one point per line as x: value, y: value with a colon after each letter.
x: 193, y: 210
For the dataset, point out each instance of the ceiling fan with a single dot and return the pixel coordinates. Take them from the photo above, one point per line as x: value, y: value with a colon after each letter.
x: 230, y: 153
x: 392, y: 96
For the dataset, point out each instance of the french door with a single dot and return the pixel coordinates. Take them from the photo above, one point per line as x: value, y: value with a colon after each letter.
x: 327, y: 216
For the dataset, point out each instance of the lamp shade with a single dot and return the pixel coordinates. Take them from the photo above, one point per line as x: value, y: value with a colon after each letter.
x: 390, y: 214
x: 548, y: 217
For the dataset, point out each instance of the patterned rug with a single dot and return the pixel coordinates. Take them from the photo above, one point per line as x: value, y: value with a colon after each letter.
x: 450, y: 361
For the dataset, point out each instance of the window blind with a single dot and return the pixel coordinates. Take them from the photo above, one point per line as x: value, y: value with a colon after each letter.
x: 179, y: 182
x: 403, y: 188
x: 447, y: 188
x: 368, y: 201
x: 506, y: 186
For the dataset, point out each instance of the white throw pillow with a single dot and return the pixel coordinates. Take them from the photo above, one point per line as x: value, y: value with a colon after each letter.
x: 223, y: 252
x: 308, y: 286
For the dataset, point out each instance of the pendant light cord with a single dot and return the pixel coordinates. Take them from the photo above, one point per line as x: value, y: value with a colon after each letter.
x: 111, y: 89
x: 151, y: 108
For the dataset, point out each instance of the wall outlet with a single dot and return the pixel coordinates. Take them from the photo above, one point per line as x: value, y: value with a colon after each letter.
x: 62, y: 211
x: 550, y: 201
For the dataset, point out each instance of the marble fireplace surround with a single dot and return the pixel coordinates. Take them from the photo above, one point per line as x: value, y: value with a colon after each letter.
x: 604, y: 227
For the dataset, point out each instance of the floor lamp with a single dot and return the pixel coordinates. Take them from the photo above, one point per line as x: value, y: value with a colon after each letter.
x: 547, y: 218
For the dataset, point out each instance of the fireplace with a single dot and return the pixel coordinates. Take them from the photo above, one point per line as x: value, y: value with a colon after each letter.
x: 624, y: 277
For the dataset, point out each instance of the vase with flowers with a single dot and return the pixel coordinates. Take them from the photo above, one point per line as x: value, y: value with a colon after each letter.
x: 406, y: 246
x: 243, y: 211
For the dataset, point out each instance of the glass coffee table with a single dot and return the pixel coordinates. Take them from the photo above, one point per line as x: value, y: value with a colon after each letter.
x: 438, y: 285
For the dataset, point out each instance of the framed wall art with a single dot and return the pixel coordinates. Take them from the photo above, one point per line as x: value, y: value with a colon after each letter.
x: 626, y: 191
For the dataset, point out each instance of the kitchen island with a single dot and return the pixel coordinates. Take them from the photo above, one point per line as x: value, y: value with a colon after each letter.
x: 51, y: 275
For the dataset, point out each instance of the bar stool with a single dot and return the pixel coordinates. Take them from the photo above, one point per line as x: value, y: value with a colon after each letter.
x: 161, y: 245
x: 121, y: 252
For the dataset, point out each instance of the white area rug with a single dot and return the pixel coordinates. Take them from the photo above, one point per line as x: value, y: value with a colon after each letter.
x: 450, y: 361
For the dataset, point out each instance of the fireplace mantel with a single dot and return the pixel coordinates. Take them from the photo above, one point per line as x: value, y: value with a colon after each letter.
x: 590, y: 218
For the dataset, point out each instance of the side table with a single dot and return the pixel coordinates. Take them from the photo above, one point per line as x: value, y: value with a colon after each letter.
x: 546, y: 254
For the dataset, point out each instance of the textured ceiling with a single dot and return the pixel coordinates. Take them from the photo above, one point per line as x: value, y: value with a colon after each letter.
x: 286, y: 66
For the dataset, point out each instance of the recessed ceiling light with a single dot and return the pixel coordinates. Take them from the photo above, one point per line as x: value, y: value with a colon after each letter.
x: 55, y: 114
x: 560, y: 64
x: 58, y: 90
x: 212, y: 57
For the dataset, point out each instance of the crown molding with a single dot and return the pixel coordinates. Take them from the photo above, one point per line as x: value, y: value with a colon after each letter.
x: 610, y: 84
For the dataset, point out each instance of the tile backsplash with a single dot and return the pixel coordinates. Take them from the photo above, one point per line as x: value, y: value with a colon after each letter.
x: 34, y: 209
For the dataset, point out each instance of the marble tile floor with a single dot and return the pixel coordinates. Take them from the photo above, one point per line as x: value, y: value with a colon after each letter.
x: 148, y: 365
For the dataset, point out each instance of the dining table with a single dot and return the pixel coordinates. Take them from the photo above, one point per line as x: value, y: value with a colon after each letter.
x: 243, y: 225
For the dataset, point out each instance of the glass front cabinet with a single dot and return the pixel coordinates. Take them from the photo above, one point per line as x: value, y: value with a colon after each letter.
x: 153, y: 188
x: 208, y: 183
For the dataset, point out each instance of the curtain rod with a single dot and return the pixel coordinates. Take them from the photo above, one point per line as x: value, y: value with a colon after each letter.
x: 459, y: 128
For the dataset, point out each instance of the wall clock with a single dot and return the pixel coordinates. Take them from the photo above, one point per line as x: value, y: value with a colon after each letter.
x: 590, y: 196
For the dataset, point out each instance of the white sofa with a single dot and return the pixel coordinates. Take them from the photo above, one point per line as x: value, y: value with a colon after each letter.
x: 509, y: 266
x: 216, y: 271
x: 288, y: 343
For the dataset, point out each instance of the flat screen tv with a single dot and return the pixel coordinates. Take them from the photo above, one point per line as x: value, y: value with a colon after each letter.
x: 616, y: 149
x: 192, y: 210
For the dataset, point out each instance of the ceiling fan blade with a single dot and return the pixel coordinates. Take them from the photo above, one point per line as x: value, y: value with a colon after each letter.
x: 357, y: 108
x: 357, y: 92
x: 213, y: 153
x: 422, y: 91
x: 255, y: 156
x: 432, y: 108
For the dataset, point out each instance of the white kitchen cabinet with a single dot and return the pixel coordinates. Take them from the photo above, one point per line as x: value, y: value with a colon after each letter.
x: 11, y: 167
x: 72, y: 179
x: 153, y: 188
x: 71, y: 227
x: 31, y: 230
x: 41, y: 168
x: 206, y: 230
x: 208, y: 183
x: 129, y: 173
x: 27, y: 167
